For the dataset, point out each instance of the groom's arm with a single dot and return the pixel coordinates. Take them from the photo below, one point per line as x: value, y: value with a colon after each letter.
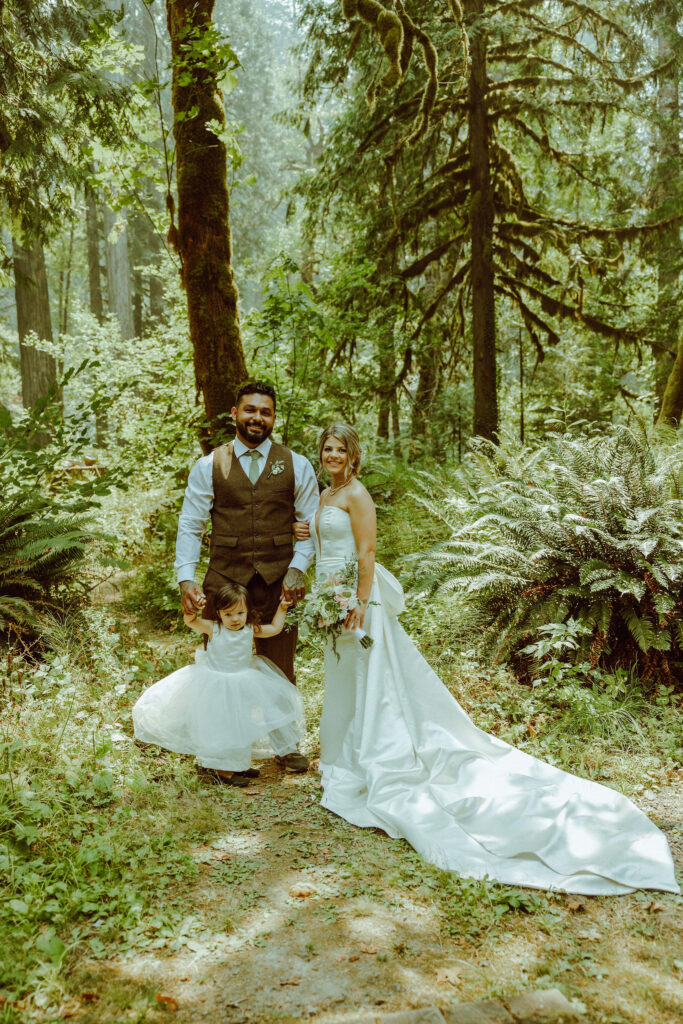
x: 306, y: 498
x: 191, y: 523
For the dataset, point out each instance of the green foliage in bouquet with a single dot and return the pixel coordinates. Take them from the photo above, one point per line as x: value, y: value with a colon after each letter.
x: 582, y: 529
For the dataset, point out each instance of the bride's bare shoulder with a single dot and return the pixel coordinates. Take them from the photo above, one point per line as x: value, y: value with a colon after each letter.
x: 358, y: 493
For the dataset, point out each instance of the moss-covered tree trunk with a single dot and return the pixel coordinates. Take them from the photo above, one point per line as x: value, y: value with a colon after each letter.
x: 481, y: 226
x: 668, y: 255
x: 203, y: 234
x: 38, y: 368
x: 672, y: 400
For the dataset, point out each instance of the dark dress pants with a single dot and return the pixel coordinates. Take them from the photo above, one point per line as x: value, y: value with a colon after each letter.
x: 265, y: 598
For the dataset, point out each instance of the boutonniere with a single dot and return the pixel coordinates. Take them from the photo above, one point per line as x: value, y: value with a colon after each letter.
x: 278, y: 466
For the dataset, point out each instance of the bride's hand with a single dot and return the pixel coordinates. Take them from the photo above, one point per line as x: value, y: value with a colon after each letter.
x: 356, y: 617
x: 302, y: 530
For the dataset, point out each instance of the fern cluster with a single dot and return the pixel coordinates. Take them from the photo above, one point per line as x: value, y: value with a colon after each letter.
x: 582, y: 528
x: 41, y: 554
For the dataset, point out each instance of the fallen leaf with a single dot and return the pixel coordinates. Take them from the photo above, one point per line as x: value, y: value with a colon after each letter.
x: 168, y: 1001
x: 69, y: 1009
x: 532, y: 730
x: 352, y: 959
x: 89, y: 997
x: 655, y: 908
x: 576, y: 906
x: 300, y: 892
x: 368, y: 949
x: 292, y: 981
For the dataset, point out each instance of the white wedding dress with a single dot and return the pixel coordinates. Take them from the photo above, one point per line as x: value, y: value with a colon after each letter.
x: 397, y: 752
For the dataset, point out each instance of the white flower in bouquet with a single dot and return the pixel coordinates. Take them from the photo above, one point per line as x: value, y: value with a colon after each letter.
x: 325, y: 607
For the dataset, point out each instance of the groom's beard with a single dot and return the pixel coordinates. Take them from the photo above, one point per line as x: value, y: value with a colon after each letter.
x: 253, y: 434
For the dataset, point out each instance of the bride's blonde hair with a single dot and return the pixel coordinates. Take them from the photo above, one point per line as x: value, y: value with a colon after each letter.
x: 343, y: 432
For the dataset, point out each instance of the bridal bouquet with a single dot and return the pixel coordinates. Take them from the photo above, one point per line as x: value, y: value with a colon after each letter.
x: 325, y: 608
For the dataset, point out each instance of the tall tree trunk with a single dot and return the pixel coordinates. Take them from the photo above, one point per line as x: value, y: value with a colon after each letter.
x: 668, y: 256
x: 64, y: 324
x: 38, y: 369
x: 118, y: 271
x: 387, y: 370
x: 481, y: 227
x: 92, y: 228
x: 203, y: 234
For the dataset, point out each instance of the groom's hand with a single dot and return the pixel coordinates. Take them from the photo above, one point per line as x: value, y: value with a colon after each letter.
x: 192, y: 598
x: 293, y: 586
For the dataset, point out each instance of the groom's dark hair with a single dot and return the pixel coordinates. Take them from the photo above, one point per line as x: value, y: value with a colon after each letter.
x: 256, y: 387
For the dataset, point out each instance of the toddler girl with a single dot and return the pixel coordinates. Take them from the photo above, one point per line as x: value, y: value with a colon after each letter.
x: 218, y: 707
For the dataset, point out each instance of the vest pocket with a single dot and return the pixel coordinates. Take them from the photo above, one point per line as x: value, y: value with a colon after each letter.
x: 283, y: 538
x: 226, y: 542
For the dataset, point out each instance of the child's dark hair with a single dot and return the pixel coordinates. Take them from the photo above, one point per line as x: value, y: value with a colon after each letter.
x: 229, y: 595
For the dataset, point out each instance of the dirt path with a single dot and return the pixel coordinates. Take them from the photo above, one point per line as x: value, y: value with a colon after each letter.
x: 296, y: 915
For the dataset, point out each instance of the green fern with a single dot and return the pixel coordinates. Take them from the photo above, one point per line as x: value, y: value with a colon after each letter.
x: 42, y: 553
x: 582, y: 528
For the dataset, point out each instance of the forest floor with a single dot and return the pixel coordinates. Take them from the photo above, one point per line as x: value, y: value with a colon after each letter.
x: 198, y: 901
x: 296, y: 915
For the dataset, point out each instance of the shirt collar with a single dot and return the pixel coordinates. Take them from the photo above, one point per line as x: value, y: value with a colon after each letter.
x: 239, y: 447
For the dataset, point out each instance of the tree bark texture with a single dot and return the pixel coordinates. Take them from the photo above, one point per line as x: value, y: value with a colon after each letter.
x: 668, y: 256
x: 672, y: 400
x: 92, y: 227
x: 118, y: 272
x: 481, y: 227
x: 202, y: 237
x: 38, y: 369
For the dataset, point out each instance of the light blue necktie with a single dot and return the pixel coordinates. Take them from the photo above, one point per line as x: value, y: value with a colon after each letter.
x: 254, y: 473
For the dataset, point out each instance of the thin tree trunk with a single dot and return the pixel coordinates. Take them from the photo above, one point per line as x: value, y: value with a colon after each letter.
x: 137, y: 303
x: 481, y: 226
x: 426, y: 386
x: 118, y: 272
x: 203, y: 234
x: 668, y: 255
x: 92, y: 228
x: 64, y: 327
x: 386, y: 377
x: 38, y: 369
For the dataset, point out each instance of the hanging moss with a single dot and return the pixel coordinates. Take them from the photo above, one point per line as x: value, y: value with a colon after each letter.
x: 389, y: 30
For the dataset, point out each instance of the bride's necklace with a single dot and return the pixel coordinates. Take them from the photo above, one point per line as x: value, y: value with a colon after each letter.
x: 333, y: 490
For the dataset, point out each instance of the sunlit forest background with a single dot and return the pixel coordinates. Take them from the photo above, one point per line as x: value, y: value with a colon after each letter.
x: 454, y: 224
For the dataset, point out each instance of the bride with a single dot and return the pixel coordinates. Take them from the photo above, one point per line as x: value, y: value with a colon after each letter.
x: 397, y: 751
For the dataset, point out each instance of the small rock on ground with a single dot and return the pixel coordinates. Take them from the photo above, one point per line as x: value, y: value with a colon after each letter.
x: 548, y: 1006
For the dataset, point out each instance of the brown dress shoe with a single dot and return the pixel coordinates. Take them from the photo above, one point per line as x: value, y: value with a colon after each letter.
x: 239, y: 779
x: 294, y: 762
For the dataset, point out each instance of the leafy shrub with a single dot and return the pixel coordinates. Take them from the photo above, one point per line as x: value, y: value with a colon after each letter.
x: 584, y: 529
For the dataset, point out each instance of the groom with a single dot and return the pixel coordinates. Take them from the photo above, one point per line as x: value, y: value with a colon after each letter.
x: 254, y: 490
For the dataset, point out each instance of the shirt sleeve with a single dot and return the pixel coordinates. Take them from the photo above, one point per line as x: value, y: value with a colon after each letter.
x: 306, y: 500
x: 197, y: 505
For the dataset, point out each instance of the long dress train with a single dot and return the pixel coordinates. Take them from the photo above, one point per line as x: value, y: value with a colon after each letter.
x: 399, y: 753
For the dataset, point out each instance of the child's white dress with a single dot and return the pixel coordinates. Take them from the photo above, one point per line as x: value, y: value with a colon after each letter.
x: 218, y: 707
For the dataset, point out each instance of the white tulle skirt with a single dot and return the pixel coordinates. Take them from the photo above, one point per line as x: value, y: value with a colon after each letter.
x: 218, y: 716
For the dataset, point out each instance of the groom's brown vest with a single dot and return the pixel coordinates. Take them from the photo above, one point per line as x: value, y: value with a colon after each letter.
x: 251, y: 529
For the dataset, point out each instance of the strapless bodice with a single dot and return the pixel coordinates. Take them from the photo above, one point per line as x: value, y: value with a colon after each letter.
x: 333, y: 539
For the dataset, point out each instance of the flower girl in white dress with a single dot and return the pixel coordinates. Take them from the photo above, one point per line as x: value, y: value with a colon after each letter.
x: 231, y: 697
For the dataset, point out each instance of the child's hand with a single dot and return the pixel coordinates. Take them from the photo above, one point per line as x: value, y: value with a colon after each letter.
x: 284, y: 603
x: 302, y: 530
